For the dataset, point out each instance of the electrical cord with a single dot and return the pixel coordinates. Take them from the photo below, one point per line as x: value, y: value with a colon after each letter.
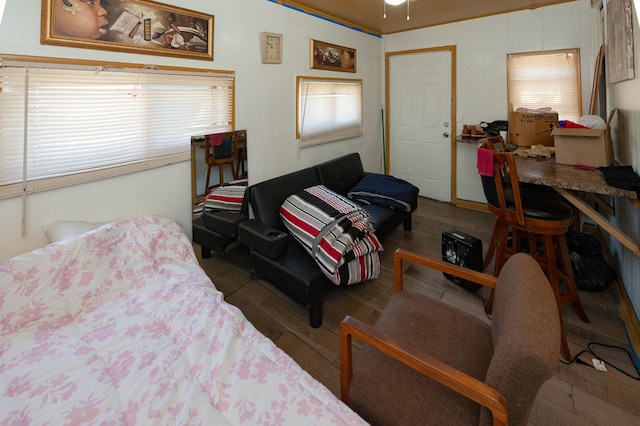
x: 589, y: 350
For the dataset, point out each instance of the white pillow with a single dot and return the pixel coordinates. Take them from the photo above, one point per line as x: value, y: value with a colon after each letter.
x: 67, y: 229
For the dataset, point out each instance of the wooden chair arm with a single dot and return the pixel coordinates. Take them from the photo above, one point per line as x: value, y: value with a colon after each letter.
x: 450, y: 377
x: 402, y: 255
x: 495, y: 140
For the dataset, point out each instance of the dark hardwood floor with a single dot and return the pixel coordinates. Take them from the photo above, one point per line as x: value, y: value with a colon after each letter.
x: 577, y: 395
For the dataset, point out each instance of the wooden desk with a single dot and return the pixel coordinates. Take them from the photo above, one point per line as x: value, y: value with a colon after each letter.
x: 566, y: 179
x: 547, y: 172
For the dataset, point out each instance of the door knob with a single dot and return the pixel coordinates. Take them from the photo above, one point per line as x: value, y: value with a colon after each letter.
x: 445, y: 134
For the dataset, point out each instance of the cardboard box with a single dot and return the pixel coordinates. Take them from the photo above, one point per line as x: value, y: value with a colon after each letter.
x: 527, y: 128
x: 587, y: 147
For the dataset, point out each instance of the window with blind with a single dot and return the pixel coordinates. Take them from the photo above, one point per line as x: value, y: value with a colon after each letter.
x: 66, y: 124
x: 328, y: 110
x: 545, y: 79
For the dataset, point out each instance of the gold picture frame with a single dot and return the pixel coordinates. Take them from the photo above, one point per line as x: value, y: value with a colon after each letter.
x: 327, y: 56
x: 132, y: 26
x: 271, y: 48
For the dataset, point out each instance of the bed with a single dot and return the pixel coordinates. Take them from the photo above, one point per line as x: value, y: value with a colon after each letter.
x: 120, y: 325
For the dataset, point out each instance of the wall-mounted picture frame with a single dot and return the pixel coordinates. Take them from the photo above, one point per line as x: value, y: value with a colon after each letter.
x: 271, y: 48
x: 620, y: 61
x: 132, y: 26
x: 327, y: 56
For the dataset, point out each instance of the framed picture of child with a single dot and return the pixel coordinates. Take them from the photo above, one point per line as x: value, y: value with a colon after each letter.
x: 134, y: 26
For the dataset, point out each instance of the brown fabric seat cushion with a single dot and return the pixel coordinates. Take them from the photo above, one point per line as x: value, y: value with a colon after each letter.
x: 385, y: 391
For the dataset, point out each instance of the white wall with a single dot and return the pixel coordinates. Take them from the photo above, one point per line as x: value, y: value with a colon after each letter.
x: 164, y: 191
x: 482, y: 46
x: 625, y: 134
x: 265, y: 106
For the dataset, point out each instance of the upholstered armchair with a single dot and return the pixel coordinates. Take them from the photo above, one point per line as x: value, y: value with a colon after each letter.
x: 428, y: 362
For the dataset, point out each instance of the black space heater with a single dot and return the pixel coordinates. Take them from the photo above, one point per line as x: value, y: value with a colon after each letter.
x: 462, y: 250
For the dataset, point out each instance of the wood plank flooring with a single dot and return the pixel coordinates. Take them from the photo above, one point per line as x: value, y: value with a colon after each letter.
x: 577, y: 395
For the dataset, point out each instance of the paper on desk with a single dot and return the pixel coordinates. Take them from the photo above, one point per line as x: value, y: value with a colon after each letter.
x: 539, y: 151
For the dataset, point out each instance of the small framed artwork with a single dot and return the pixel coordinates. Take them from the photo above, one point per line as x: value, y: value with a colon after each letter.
x: 327, y: 56
x: 133, y: 26
x: 620, y: 64
x: 271, y: 48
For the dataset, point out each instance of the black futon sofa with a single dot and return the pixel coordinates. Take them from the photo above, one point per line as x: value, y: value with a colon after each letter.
x: 280, y: 259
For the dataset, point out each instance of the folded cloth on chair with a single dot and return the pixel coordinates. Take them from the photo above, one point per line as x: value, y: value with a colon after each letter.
x: 336, y: 232
x: 386, y: 191
x: 215, y: 139
x: 485, y: 162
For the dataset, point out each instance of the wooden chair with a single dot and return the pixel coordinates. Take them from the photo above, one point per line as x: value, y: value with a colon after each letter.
x: 537, y: 219
x: 427, y: 362
x: 219, y: 155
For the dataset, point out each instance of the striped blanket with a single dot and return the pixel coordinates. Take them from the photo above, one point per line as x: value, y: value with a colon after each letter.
x: 336, y: 232
x: 228, y: 197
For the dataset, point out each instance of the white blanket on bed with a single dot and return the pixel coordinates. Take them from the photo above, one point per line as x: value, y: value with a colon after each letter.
x: 122, y: 326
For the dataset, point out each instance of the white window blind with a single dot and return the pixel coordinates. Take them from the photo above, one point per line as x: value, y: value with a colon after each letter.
x: 62, y: 125
x: 328, y: 110
x: 546, y: 79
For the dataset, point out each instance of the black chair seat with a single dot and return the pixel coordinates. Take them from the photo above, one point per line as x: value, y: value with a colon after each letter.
x: 541, y: 205
x: 545, y: 206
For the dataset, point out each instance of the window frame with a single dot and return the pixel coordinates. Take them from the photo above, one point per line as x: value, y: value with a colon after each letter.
x: 578, y: 83
x: 181, y: 151
x: 330, y: 134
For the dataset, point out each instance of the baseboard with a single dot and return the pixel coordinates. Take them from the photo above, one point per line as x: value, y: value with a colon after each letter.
x: 472, y: 205
x: 625, y: 308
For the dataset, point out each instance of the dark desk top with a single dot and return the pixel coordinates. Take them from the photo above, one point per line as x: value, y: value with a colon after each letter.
x: 547, y: 172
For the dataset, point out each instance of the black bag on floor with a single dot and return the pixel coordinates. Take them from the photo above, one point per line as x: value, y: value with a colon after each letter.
x: 591, y: 271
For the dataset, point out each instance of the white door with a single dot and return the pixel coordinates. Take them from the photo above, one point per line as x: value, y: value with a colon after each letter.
x: 420, y: 121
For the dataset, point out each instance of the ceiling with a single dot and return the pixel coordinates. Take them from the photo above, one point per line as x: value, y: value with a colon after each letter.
x: 368, y: 14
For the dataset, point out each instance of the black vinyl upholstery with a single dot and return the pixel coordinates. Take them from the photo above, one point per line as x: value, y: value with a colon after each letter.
x: 287, y: 266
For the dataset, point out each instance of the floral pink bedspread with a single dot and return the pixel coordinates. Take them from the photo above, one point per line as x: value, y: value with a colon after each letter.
x: 122, y: 326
